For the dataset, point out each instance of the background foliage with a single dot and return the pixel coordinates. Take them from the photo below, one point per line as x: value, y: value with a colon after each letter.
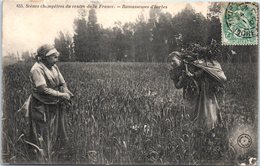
x: 145, y: 40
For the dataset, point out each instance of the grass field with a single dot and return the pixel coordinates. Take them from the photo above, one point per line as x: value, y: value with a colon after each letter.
x: 132, y: 113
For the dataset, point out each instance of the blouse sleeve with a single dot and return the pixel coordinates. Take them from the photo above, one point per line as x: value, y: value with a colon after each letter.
x: 38, y: 78
x: 40, y: 84
x: 48, y: 91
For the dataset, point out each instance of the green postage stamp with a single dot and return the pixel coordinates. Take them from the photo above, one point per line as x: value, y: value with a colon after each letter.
x: 239, y: 23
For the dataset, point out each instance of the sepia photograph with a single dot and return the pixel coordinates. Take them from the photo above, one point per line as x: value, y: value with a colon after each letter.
x: 120, y: 82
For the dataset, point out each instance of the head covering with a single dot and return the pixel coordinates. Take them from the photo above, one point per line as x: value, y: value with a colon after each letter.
x: 46, y: 50
x: 175, y: 54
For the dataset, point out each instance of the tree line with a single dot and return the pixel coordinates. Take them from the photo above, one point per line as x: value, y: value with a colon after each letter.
x: 147, y: 40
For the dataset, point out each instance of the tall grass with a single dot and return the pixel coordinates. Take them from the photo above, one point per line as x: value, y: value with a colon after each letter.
x: 132, y: 113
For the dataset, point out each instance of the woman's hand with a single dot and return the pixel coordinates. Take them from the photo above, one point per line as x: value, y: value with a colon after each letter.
x: 69, y: 92
x: 181, y: 78
x: 189, y: 74
x: 65, y: 96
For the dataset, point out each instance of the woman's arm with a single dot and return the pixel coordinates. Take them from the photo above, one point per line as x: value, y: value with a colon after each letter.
x: 48, y: 91
x: 65, y: 89
x: 196, y: 73
x: 177, y: 79
x: 179, y: 83
x: 39, y: 82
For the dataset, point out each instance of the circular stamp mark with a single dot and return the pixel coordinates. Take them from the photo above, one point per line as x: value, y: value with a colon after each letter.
x: 241, y: 19
x: 244, y: 141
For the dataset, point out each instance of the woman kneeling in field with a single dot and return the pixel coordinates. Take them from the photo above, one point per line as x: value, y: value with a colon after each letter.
x: 199, y: 79
x: 47, y: 123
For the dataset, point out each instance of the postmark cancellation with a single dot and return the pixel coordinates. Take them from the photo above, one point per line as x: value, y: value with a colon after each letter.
x: 239, y: 23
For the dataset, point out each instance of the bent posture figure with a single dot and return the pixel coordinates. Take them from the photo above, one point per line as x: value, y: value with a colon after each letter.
x: 200, y: 80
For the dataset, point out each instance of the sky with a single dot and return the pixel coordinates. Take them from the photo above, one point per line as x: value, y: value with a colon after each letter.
x: 27, y: 28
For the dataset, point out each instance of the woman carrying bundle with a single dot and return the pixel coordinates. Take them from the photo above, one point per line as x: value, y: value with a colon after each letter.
x: 200, y: 79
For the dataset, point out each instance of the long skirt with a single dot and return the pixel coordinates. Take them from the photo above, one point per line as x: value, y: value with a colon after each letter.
x: 205, y: 116
x: 203, y: 107
x: 47, y: 130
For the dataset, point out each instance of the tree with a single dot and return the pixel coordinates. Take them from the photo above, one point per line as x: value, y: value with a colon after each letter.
x: 214, y: 26
x: 160, y: 27
x: 106, y: 45
x: 80, y: 36
x: 128, y: 31
x: 142, y: 36
x: 214, y: 29
x: 93, y: 37
x: 118, y: 46
x: 63, y: 43
x: 122, y: 41
x: 183, y: 22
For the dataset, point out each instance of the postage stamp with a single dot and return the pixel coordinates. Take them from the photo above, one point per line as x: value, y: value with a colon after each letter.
x: 239, y: 23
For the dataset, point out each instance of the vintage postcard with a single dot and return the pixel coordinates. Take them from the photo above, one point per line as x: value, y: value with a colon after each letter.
x: 129, y: 82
